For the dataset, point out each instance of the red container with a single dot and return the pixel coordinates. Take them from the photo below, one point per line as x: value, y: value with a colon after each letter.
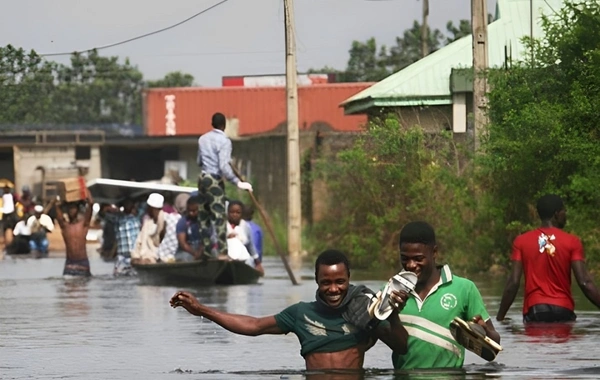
x: 188, y: 111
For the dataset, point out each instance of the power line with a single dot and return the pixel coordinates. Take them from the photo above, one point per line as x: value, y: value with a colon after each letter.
x: 138, y: 37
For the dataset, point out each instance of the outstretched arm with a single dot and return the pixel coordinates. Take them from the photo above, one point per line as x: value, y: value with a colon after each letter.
x: 236, y: 323
x: 585, y: 282
x: 510, y: 290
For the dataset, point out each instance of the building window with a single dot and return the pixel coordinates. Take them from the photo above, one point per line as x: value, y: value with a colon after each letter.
x: 83, y: 153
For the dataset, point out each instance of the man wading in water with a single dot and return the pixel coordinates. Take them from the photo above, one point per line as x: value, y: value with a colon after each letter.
x: 74, y: 234
x: 334, y: 331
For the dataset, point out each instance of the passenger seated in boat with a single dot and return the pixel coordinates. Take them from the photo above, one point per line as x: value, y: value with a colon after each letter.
x: 20, y: 243
x: 239, y: 237
x: 39, y: 225
x: 168, y: 246
x: 334, y: 331
x: 188, y: 233
x: 256, y: 234
x: 152, y: 233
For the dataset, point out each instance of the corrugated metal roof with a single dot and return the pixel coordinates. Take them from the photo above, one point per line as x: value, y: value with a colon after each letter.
x: 257, y: 109
x: 426, y: 82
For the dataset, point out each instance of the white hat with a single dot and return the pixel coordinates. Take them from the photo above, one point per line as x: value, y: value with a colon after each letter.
x: 155, y: 200
x: 38, y: 208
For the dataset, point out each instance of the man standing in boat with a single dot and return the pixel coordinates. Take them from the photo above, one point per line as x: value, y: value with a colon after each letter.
x: 334, y: 331
x: 214, y: 155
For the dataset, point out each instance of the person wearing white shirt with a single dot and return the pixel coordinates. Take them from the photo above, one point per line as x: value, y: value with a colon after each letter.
x: 39, y: 224
x: 9, y: 216
x: 239, y: 237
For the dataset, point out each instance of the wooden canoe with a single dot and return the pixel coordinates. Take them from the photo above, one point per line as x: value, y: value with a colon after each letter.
x: 197, y: 273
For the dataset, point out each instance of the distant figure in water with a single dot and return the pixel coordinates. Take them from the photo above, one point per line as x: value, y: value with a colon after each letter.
x: 74, y: 234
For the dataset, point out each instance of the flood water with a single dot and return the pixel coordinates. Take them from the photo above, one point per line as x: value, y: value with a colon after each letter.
x: 113, y: 328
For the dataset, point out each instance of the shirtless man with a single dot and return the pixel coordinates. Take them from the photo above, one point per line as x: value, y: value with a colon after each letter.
x: 328, y: 339
x: 74, y: 234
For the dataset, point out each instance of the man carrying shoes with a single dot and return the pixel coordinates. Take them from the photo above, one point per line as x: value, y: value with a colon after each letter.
x: 214, y: 155
x: 438, y: 297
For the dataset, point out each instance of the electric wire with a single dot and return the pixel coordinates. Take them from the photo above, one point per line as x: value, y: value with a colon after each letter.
x: 138, y: 37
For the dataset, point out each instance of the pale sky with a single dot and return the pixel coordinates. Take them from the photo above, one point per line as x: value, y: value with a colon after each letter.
x: 239, y: 37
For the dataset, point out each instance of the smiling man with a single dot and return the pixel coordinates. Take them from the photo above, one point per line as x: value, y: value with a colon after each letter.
x: 439, y: 296
x: 334, y: 331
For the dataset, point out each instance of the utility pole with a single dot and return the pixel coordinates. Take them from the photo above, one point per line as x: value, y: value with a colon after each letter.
x: 424, y: 30
x: 293, y: 135
x: 480, y: 65
x: 531, y: 31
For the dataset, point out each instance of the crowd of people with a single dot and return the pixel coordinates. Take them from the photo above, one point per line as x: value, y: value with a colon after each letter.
x: 25, y: 223
x: 336, y: 329
x: 162, y: 230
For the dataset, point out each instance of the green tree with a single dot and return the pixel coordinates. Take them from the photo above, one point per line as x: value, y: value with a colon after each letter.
x: 367, y: 63
x: 544, y: 131
x: 173, y: 79
x: 394, y: 174
x: 456, y: 32
x: 461, y: 30
x: 27, y: 86
x: 408, y: 47
x: 96, y: 89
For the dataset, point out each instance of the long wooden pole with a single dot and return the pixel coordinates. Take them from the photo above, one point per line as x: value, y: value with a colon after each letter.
x: 269, y: 226
x: 480, y: 65
x: 293, y: 136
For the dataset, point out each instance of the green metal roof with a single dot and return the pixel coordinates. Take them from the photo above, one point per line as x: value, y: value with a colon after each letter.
x: 426, y: 82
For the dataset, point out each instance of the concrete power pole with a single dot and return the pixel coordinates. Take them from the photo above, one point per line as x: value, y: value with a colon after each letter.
x: 424, y: 30
x: 480, y: 66
x: 293, y: 136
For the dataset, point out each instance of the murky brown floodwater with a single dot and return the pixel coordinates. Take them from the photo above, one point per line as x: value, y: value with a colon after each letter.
x: 112, y: 328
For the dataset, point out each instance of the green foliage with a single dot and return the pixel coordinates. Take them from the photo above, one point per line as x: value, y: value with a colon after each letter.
x: 544, y: 132
x: 396, y: 174
x: 27, y: 85
x: 369, y: 62
x: 365, y: 63
x: 91, y: 90
x: 173, y: 79
x: 96, y: 89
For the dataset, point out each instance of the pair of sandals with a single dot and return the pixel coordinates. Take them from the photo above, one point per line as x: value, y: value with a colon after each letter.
x: 382, y: 306
x: 470, y: 335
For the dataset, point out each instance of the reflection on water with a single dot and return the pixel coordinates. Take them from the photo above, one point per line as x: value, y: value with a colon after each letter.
x: 112, y: 328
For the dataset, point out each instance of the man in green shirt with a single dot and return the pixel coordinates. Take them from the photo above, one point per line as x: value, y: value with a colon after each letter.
x: 334, y: 331
x: 439, y: 296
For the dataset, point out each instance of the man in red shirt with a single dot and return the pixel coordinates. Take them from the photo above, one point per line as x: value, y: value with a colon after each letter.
x: 547, y: 255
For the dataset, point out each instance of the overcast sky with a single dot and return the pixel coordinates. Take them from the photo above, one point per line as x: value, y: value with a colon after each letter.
x: 239, y: 37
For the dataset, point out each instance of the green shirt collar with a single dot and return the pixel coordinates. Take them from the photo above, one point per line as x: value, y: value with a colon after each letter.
x: 445, y: 274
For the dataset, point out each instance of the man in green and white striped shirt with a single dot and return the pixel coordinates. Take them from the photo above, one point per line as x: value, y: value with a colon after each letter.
x: 439, y: 296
